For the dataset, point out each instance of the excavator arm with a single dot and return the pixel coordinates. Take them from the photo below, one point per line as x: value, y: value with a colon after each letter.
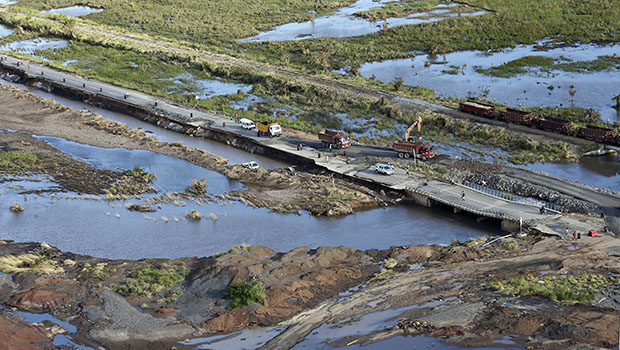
x: 418, y: 123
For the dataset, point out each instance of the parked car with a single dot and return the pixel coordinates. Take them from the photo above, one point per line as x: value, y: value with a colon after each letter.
x: 384, y: 169
x: 247, y: 124
x: 251, y: 165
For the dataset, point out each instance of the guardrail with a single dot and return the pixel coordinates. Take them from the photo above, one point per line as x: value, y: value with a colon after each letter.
x: 510, y: 197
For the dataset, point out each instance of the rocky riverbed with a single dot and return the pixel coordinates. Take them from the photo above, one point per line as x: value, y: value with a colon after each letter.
x: 458, y: 293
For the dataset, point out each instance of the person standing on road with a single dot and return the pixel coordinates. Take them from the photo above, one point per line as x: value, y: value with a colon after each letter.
x: 463, y: 195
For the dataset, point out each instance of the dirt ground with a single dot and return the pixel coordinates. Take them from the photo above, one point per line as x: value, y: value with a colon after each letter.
x: 280, y: 190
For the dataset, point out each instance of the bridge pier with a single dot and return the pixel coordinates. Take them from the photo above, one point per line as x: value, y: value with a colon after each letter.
x: 419, y: 198
x: 510, y: 225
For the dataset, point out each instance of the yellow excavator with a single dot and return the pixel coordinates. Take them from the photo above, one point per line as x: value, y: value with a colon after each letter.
x: 418, y: 123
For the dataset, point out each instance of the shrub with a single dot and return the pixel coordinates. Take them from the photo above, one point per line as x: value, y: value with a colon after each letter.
x: 146, y: 280
x: 34, y: 263
x: 140, y: 173
x: 19, y: 162
x: 565, y: 289
x: 243, y: 293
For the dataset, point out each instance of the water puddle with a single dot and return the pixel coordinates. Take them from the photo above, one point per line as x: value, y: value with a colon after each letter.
x: 8, y: 2
x: 69, y: 62
x: 30, y: 184
x: 4, y: 31
x: 455, y: 74
x: 344, y: 23
x: 39, y: 318
x: 247, y: 339
x: 74, y: 11
x: 187, y: 84
x: 506, y: 340
x: 29, y: 47
x: 601, y: 172
x: 367, y: 324
x: 400, y: 343
x: 62, y: 340
x: 247, y: 102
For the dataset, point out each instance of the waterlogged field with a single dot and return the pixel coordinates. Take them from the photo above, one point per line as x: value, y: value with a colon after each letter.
x: 305, y: 107
x: 211, y: 22
x: 301, y: 107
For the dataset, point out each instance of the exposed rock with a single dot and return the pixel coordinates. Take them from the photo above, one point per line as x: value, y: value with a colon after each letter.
x: 194, y: 215
x: 122, y: 322
x: 16, y: 208
x: 228, y: 321
x: 45, y: 295
x: 20, y: 335
x: 142, y: 208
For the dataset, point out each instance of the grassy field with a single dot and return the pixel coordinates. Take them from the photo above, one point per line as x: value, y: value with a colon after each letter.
x: 507, y: 24
x: 294, y: 105
x: 210, y: 22
x: 219, y: 24
x: 543, y: 64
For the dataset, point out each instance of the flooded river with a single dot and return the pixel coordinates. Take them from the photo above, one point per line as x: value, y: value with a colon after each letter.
x: 107, y: 229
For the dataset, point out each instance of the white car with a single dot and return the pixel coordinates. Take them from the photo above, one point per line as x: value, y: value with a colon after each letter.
x: 247, y: 124
x: 251, y: 165
x: 384, y: 169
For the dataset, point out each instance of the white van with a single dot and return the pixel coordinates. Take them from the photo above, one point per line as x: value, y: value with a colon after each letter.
x: 247, y: 124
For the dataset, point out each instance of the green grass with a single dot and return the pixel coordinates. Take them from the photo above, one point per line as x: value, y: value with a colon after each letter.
x: 398, y: 9
x: 211, y: 22
x: 518, y: 66
x: 244, y: 293
x: 508, y: 23
x: 146, y: 279
x: 32, y: 263
x: 140, y: 174
x: 548, y: 64
x: 19, y: 162
x: 217, y: 25
x: 565, y: 289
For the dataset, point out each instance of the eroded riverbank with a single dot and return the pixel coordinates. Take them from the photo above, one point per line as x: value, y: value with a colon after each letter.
x: 463, y: 293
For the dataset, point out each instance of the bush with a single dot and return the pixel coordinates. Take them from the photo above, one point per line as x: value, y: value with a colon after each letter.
x: 146, y: 280
x: 243, y: 293
x: 140, y: 173
x: 565, y: 289
x: 19, y: 162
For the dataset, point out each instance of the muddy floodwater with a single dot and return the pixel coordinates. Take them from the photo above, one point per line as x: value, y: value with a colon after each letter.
x: 534, y: 88
x: 343, y: 23
x: 107, y: 229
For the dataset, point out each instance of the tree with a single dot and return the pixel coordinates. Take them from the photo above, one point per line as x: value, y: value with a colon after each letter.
x: 572, y: 91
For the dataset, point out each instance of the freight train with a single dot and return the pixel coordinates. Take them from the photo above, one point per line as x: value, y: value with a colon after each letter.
x: 515, y: 116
